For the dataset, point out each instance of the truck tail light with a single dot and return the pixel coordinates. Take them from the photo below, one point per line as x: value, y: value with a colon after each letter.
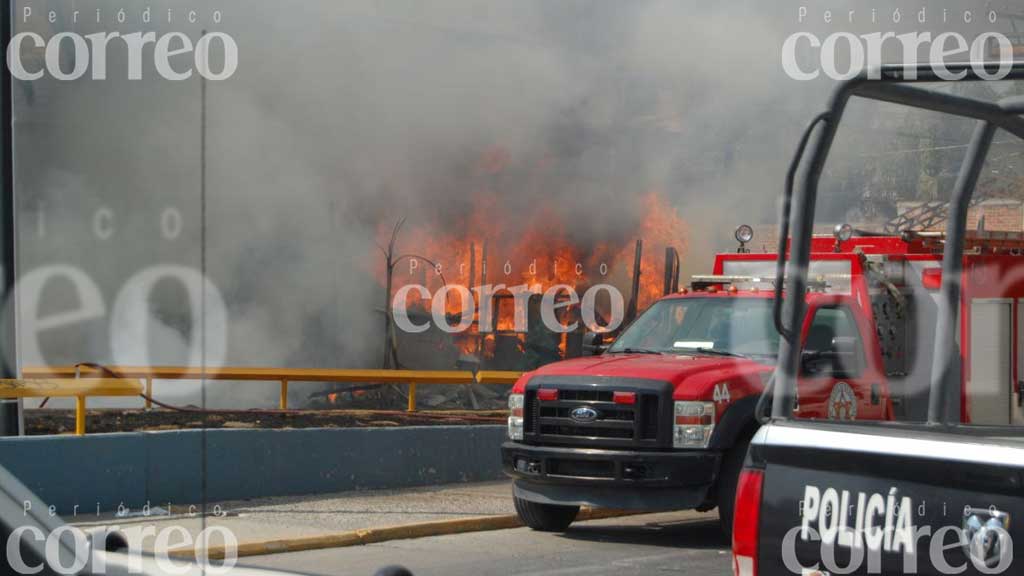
x: 624, y: 397
x: 746, y: 522
x: 547, y: 395
x: 694, y: 423
x: 515, y: 418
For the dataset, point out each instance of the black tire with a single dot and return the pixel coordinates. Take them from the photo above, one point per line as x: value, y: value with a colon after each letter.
x: 732, y: 465
x: 545, y: 517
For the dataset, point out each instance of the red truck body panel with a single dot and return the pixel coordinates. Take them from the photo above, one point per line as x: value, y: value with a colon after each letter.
x: 695, y: 377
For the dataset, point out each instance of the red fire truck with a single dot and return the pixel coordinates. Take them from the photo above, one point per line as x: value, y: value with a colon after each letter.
x: 662, y: 419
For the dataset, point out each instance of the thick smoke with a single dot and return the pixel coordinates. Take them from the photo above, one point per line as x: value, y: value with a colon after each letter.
x: 347, y: 116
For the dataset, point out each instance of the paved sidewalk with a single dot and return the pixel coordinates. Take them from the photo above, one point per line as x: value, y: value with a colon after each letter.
x: 343, y: 519
x: 297, y: 517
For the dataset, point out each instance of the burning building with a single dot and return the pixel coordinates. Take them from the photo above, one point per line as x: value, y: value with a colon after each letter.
x: 473, y: 290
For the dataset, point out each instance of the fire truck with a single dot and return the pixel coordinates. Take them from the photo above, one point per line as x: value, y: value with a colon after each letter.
x: 661, y: 420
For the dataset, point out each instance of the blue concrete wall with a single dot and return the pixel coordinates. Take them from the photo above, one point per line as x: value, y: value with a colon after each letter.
x: 165, y: 467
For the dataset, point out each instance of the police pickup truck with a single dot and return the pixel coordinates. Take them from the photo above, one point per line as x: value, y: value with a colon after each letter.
x: 943, y: 495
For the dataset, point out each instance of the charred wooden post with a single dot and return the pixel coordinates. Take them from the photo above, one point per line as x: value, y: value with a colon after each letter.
x: 472, y: 264
x: 387, y: 310
x: 671, y: 270
x: 390, y: 347
x: 483, y: 265
x: 631, y: 308
x: 477, y: 343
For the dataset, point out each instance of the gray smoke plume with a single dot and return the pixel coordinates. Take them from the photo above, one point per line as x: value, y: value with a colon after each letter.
x: 344, y: 117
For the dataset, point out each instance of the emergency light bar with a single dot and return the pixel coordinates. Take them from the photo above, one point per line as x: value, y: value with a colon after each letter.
x: 703, y: 282
x: 819, y: 283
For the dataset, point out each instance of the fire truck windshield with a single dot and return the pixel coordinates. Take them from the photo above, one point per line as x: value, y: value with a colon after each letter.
x: 721, y: 326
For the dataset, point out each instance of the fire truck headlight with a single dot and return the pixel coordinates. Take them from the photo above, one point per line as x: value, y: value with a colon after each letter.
x: 694, y: 423
x: 744, y: 234
x: 515, y: 428
x: 515, y: 418
x: 843, y: 232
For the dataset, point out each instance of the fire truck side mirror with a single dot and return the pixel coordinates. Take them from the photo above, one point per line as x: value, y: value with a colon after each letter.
x: 594, y: 344
x: 836, y: 358
x: 810, y: 362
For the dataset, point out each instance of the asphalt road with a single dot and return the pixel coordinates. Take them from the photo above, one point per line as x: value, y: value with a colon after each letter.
x: 640, y: 545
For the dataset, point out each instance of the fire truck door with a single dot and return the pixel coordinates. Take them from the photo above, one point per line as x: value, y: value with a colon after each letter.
x: 990, y: 390
x: 836, y: 382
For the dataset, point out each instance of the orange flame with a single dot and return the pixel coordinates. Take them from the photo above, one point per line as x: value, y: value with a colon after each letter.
x: 536, y: 253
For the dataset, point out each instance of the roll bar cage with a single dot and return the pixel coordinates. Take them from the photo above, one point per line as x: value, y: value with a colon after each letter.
x: 896, y: 85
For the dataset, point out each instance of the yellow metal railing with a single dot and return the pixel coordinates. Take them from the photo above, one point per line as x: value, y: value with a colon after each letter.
x: 79, y: 389
x: 283, y: 376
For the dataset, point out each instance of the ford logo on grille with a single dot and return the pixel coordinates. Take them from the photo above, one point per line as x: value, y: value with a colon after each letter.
x: 584, y: 415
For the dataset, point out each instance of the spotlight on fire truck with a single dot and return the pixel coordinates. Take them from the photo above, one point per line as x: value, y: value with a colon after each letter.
x: 843, y: 232
x: 744, y: 234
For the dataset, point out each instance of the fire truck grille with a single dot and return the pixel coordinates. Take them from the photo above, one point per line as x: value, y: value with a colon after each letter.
x: 645, y: 424
x: 607, y: 414
x: 588, y: 432
x: 587, y: 395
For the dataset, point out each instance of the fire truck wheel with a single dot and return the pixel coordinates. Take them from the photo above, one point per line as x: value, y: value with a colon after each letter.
x: 732, y: 465
x: 545, y: 517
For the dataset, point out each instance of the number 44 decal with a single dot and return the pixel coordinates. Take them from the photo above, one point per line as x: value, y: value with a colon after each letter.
x: 721, y: 393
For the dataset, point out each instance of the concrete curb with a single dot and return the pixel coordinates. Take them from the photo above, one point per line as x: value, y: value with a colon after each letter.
x: 377, y: 535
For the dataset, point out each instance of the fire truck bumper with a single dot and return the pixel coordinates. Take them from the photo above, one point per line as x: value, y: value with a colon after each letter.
x: 623, y: 479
